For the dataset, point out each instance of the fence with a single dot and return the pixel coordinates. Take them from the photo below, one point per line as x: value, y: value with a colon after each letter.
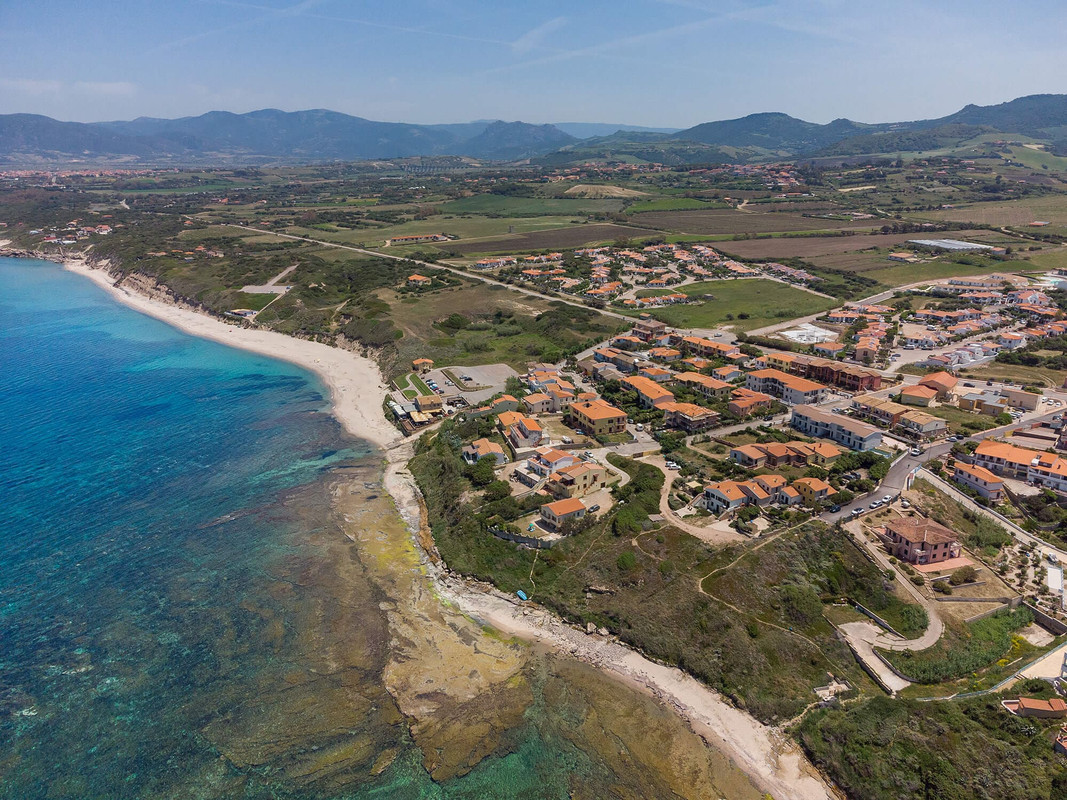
x: 1051, y: 624
x: 518, y: 538
x: 881, y: 622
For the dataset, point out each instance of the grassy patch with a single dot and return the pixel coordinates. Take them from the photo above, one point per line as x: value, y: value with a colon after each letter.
x: 743, y: 304
x: 963, y: 422
x: 1028, y: 376
x: 885, y: 749
x: 965, y: 649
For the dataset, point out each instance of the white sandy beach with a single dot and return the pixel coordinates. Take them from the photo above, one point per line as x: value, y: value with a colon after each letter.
x: 768, y: 756
x: 356, y: 385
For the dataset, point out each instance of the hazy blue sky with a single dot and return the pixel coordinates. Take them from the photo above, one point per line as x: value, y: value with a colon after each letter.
x: 651, y: 62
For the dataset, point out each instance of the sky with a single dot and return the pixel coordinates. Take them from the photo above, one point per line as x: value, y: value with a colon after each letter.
x: 661, y: 63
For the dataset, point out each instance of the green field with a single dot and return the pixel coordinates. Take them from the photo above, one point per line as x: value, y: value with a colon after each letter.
x: 673, y: 204
x: 740, y: 304
x: 529, y: 206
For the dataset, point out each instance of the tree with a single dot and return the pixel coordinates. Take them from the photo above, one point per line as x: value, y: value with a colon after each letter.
x: 481, y: 474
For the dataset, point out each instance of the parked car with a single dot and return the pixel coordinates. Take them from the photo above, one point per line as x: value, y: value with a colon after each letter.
x: 594, y: 507
x: 857, y: 511
x: 915, y: 451
x: 887, y: 499
x: 835, y: 508
x: 876, y: 504
x: 969, y: 385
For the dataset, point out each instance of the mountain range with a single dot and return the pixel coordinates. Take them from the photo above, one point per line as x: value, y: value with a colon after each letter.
x: 272, y: 136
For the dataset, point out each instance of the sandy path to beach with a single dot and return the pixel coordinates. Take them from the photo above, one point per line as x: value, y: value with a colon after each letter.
x: 767, y: 755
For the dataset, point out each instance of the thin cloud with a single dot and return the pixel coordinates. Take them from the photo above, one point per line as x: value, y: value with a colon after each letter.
x: 300, y: 9
x: 385, y: 26
x: 532, y: 39
x: 605, y: 48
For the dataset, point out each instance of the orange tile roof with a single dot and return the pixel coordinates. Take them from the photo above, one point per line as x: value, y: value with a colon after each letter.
x: 563, y: 507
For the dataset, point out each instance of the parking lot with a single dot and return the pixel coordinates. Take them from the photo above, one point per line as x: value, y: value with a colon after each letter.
x: 483, y: 383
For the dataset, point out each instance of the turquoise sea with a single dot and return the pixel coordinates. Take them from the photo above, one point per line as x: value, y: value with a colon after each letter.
x: 162, y: 574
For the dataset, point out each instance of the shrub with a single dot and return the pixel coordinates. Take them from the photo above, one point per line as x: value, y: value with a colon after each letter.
x: 963, y: 575
x: 626, y: 560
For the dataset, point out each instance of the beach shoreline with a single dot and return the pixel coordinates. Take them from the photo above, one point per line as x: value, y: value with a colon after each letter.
x: 768, y: 756
x: 357, y: 388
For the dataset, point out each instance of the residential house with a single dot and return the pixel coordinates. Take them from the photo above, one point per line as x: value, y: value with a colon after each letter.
x: 923, y: 425
x: 1005, y: 459
x: 422, y: 365
x: 980, y: 480
x: 538, y: 403
x: 943, y: 382
x: 885, y: 411
x: 650, y: 330
x: 723, y: 496
x: 745, y: 402
x: 829, y: 349
x: 1053, y: 708
x: 918, y: 395
x: 419, y: 281
x: 597, y: 417
x: 688, y: 416
x: 650, y: 393
x: 483, y: 448
x: 752, y: 456
x: 555, y: 515
x: 657, y: 374
x: 524, y: 432
x: 813, y: 490
x: 986, y: 402
x: 728, y: 373
x: 711, y: 388
x: 546, y: 460
x: 917, y: 540
x: 577, y: 480
x: 851, y: 433
x: 788, y: 388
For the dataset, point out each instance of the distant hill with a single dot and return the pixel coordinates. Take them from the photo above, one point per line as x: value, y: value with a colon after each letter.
x: 265, y: 136
x: 270, y: 136
x: 507, y: 141
x: 587, y: 130
x: 774, y: 132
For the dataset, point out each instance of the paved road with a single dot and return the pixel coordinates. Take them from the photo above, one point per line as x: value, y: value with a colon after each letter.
x: 896, y: 478
x: 456, y: 270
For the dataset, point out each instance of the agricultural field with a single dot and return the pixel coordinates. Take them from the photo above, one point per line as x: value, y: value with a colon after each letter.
x: 673, y: 204
x: 1013, y: 213
x: 810, y: 246
x: 560, y: 239
x: 498, y: 205
x: 740, y: 222
x: 739, y: 304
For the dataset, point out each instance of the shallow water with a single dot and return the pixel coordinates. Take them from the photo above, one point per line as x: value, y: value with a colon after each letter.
x: 183, y: 612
